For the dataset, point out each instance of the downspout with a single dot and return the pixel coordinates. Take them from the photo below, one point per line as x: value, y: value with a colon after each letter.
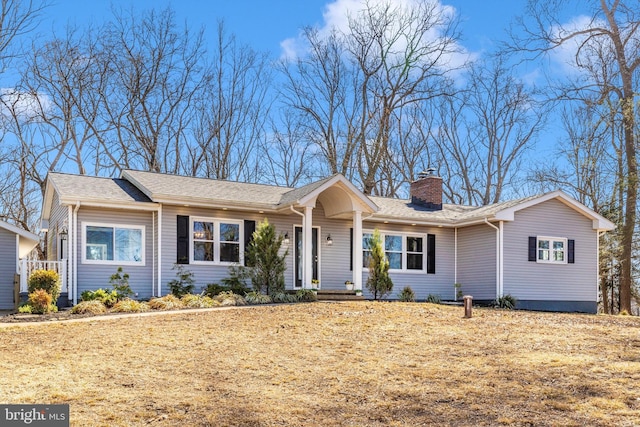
x: 159, y: 250
x: 498, y: 260
x: 74, y: 221
x: 153, y: 253
x: 455, y: 263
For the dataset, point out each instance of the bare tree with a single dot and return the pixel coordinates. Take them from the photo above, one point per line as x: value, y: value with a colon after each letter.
x: 153, y: 75
x: 231, y: 109
x: 401, y: 62
x: 484, y: 132
x: 606, y: 51
x: 320, y: 86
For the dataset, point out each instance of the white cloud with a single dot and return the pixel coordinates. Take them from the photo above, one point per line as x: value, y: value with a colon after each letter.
x: 337, y: 14
x: 25, y: 105
x: 575, y: 48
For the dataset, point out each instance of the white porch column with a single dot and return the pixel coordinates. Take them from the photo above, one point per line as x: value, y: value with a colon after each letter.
x: 357, y: 250
x: 307, y: 253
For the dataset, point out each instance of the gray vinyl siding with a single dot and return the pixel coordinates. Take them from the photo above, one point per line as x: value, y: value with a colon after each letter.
x: 213, y: 273
x: 529, y: 280
x: 477, y: 261
x: 8, y: 260
x: 57, y: 218
x: 421, y: 283
x: 94, y: 276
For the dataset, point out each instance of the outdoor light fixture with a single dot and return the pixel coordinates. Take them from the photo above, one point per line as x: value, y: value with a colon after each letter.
x: 329, y: 240
x: 63, y: 233
x: 286, y: 238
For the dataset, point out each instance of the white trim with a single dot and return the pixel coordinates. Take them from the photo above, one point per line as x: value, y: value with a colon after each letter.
x: 551, y: 240
x: 114, y: 226
x: 404, y: 235
x: 216, y: 240
x: 357, y: 251
x: 498, y: 260
x: 318, y: 250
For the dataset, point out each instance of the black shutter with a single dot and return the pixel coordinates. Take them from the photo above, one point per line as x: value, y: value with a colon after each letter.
x: 533, y: 241
x: 571, y: 247
x: 431, y: 254
x: 183, y: 240
x: 249, y: 228
x: 351, y: 249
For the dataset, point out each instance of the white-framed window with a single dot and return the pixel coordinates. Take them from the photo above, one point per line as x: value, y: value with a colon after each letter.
x: 405, y: 252
x: 104, y: 243
x: 552, y: 249
x: 216, y: 241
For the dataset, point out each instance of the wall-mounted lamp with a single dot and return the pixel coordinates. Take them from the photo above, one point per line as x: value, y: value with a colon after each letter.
x: 63, y: 233
x: 329, y: 240
x: 286, y: 241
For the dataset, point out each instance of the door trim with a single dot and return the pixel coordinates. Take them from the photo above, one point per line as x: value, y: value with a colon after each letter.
x: 318, y: 231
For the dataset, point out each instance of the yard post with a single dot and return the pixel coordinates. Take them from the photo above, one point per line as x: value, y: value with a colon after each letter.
x: 468, y: 300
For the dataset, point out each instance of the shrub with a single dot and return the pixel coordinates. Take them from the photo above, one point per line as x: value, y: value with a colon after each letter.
x: 184, y: 283
x: 434, y: 299
x: 120, y: 283
x: 213, y: 289
x: 379, y: 283
x: 25, y: 309
x: 507, y: 302
x: 284, y: 297
x: 167, y: 302
x: 254, y: 297
x: 407, y: 295
x: 108, y: 298
x: 48, y: 280
x: 237, y: 280
x: 198, y: 301
x: 229, y: 298
x: 41, y: 302
x: 267, y: 264
x: 130, y: 306
x: 94, y: 306
x: 306, y: 295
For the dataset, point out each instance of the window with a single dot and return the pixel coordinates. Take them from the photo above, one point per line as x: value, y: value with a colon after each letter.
x: 551, y: 250
x: 414, y: 253
x: 113, y: 244
x: 393, y: 251
x: 215, y: 241
x: 404, y: 252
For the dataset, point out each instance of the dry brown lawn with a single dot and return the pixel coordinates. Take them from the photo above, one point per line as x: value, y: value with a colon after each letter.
x: 331, y: 364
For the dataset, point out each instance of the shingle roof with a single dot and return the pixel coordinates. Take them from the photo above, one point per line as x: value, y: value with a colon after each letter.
x: 159, y: 186
x: 450, y: 214
x: 82, y: 187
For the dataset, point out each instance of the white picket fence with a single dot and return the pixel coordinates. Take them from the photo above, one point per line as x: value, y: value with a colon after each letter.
x: 28, y: 266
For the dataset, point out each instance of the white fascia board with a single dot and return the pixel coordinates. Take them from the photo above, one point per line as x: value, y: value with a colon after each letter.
x: 409, y: 221
x: 214, y: 204
x: 310, y: 199
x: 599, y: 222
x: 96, y: 203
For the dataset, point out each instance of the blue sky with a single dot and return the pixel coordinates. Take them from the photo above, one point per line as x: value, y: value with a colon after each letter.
x: 264, y: 24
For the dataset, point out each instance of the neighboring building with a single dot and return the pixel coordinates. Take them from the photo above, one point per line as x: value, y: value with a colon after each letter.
x: 15, y: 244
x: 543, y: 250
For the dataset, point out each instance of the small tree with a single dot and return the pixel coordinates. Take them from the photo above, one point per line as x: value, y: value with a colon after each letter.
x: 379, y: 283
x: 120, y: 283
x: 183, y: 283
x: 263, y: 256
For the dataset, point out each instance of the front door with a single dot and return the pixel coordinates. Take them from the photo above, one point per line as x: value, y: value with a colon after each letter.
x: 314, y: 256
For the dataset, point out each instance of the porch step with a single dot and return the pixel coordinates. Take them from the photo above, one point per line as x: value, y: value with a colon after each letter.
x: 330, y: 295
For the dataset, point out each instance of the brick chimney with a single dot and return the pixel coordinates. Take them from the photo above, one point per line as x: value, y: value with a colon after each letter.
x: 426, y: 191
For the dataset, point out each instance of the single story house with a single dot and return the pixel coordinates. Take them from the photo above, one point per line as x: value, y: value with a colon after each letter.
x: 543, y: 249
x: 15, y: 244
